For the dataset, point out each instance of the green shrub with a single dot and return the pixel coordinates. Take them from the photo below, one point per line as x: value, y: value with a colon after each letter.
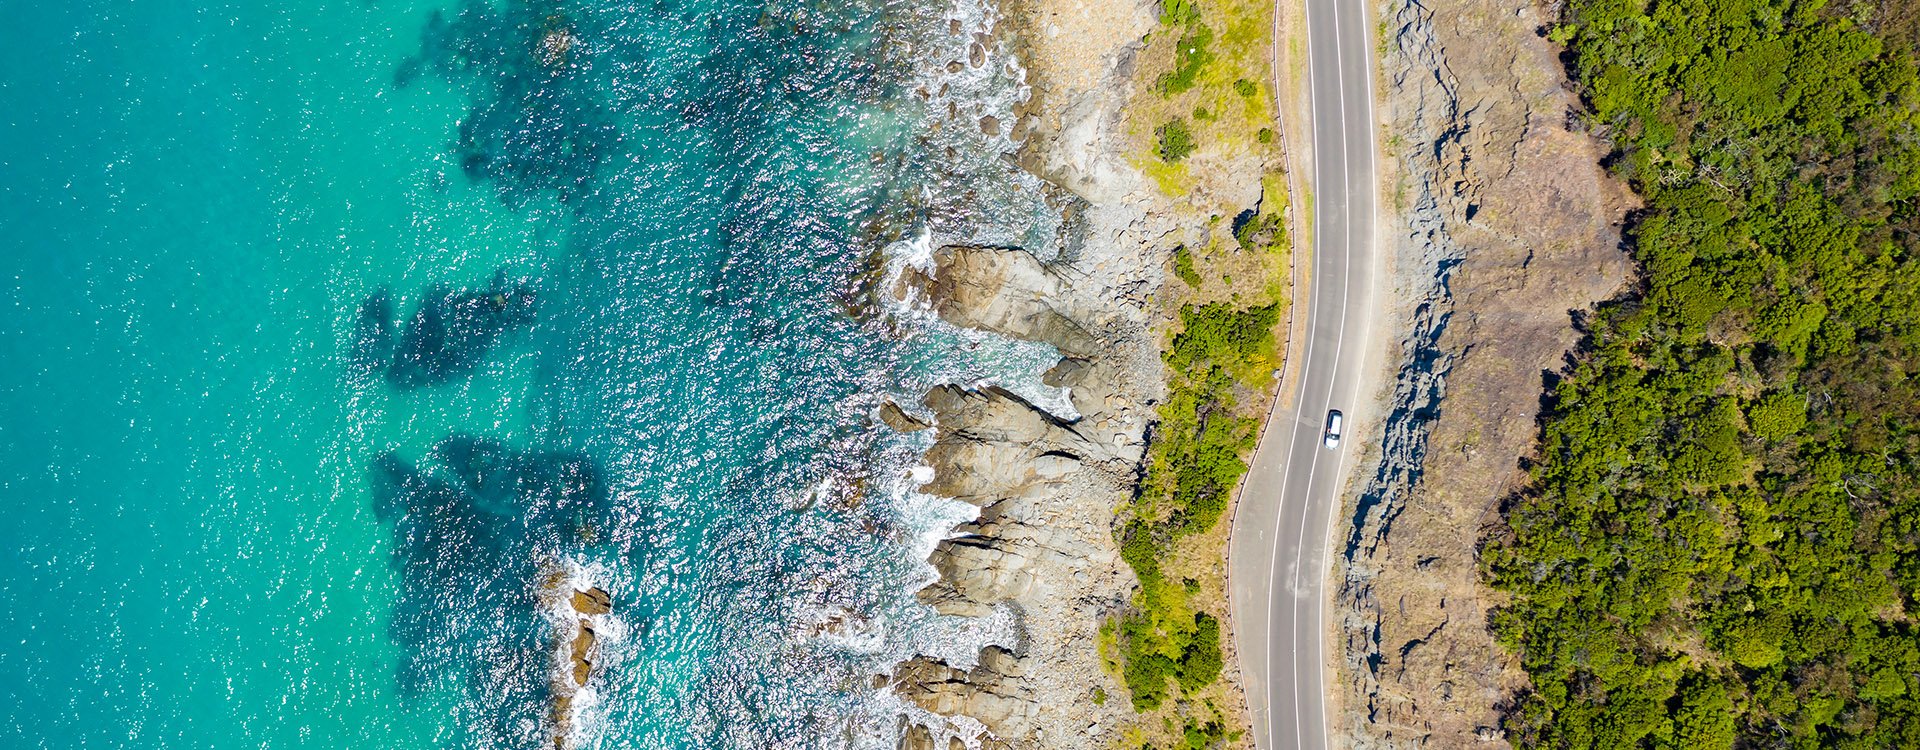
x: 1778, y: 416
x: 1176, y: 141
x: 1224, y: 336
x: 1138, y: 550
x: 1201, y: 662
x: 1260, y: 231
x: 1245, y: 88
x: 1189, y: 58
x: 1179, y: 12
x: 1146, y: 677
x: 1183, y: 266
x: 1196, y: 735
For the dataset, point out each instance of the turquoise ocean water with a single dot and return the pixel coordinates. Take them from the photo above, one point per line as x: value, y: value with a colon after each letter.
x: 330, y: 326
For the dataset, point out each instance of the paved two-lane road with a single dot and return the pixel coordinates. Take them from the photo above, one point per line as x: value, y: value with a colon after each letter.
x: 1282, y: 531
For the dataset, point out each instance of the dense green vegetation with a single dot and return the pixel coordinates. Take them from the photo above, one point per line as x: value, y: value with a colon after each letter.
x: 1192, y: 469
x: 1175, y: 140
x: 1191, y: 56
x: 1721, y: 543
x: 1206, y: 65
x: 1183, y: 266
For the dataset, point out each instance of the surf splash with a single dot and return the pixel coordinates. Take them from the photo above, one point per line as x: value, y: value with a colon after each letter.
x: 719, y: 185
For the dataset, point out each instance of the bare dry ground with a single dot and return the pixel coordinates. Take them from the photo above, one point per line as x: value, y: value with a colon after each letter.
x: 1507, y: 225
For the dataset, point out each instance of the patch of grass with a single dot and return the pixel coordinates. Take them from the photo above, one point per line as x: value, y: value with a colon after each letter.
x: 1172, y: 179
x: 1189, y: 59
x: 1183, y: 266
x: 1208, y: 66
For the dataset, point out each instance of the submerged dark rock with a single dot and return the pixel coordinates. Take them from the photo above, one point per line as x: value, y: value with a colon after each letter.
x: 522, y: 484
x: 470, y: 525
x: 452, y: 331
x: 536, y: 122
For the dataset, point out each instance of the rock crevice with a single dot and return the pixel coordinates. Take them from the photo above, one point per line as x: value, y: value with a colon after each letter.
x: 1042, y: 545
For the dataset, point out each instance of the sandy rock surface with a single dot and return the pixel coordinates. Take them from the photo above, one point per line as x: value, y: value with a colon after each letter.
x: 1078, y: 55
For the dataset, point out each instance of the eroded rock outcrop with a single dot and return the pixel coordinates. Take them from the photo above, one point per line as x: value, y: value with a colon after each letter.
x: 576, y: 649
x: 1511, y: 225
x: 992, y: 447
x: 1042, y: 545
x: 897, y: 418
x: 1004, y: 290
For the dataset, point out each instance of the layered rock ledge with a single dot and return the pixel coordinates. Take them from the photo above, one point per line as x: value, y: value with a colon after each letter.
x: 1042, y: 545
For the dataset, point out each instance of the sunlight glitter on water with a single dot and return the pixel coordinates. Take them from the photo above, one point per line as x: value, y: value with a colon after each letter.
x: 486, y: 288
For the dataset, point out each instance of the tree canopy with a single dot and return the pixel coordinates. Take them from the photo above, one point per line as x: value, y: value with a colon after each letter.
x: 1720, y: 545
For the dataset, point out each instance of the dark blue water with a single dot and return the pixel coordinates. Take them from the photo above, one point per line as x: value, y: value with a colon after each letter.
x: 334, y: 328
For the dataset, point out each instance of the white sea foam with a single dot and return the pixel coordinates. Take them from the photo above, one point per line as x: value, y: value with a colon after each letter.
x: 586, y: 711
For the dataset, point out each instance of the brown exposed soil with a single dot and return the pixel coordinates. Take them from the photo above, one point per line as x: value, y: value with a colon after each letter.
x: 1479, y: 111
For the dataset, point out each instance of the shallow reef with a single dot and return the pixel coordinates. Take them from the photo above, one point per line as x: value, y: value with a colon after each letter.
x: 471, y: 525
x: 451, y: 331
x: 372, y: 336
x: 538, y: 120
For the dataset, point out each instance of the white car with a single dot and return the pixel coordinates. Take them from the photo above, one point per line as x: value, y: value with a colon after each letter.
x: 1333, y: 428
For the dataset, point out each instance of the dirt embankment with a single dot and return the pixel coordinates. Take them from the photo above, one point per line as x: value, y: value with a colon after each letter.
x: 1507, y: 225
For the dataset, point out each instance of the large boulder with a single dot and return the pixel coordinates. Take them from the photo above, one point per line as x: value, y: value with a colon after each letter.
x: 1005, y: 290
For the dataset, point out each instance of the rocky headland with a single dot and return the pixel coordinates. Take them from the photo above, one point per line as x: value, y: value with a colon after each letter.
x: 1507, y: 228
x: 1050, y: 487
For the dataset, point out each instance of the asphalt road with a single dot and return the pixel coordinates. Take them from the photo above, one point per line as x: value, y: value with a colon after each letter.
x: 1281, y: 556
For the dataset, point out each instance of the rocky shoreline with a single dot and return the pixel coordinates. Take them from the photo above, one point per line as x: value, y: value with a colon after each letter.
x: 1048, y: 487
x: 1043, y: 545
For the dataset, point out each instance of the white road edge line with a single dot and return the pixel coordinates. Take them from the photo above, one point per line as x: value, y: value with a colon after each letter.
x: 1299, y: 396
x: 1313, y: 470
x: 1366, y: 321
